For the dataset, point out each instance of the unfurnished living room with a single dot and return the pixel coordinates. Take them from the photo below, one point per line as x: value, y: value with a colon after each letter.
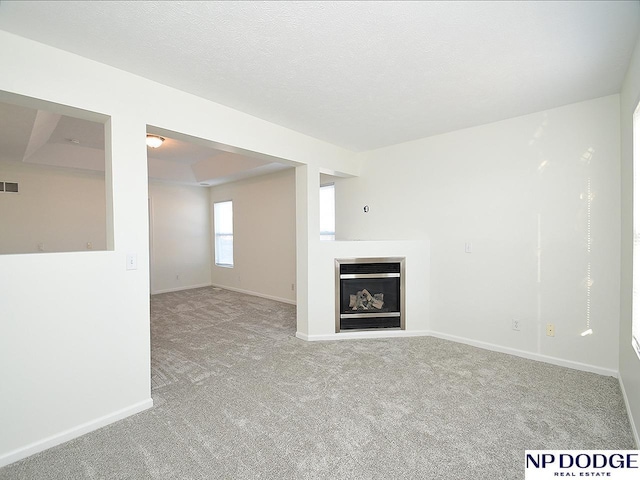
x: 308, y: 240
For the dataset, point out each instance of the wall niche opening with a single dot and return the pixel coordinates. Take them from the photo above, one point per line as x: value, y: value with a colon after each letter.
x: 52, y: 166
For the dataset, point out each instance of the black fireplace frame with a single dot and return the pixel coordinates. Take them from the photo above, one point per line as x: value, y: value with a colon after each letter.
x: 370, y: 321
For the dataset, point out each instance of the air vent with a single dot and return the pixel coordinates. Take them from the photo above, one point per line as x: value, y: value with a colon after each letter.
x: 369, y: 268
x: 9, y: 187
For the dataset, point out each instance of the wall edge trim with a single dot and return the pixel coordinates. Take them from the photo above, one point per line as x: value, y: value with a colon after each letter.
x: 255, y: 294
x: 636, y: 437
x: 585, y: 367
x: 179, y: 289
x: 73, y: 432
x: 467, y: 341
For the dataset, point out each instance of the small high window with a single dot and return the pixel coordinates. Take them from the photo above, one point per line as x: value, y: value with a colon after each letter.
x: 223, y: 231
x: 327, y: 212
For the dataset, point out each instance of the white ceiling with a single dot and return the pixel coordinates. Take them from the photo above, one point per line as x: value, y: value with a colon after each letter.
x: 357, y: 74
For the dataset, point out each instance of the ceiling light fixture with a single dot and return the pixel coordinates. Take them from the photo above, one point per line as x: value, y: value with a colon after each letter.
x: 154, y: 141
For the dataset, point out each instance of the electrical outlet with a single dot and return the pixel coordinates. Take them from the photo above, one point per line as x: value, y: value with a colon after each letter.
x: 177, y: 277
x: 551, y: 330
x: 515, y: 324
x: 293, y: 287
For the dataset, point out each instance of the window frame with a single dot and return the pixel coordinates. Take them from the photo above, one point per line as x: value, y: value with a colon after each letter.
x: 635, y: 309
x: 328, y: 235
x: 217, y: 235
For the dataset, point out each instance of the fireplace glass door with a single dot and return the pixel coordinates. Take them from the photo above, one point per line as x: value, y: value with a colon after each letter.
x: 369, y: 293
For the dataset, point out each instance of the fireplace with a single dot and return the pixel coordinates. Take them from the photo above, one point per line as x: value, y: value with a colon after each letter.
x: 369, y: 293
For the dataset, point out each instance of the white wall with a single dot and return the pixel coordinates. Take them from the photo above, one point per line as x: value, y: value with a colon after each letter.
x: 180, y: 237
x: 74, y: 349
x: 629, y: 363
x: 516, y: 190
x: 62, y: 209
x: 264, y: 236
x: 78, y: 358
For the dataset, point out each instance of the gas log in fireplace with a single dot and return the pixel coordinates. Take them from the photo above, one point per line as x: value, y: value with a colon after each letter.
x: 369, y: 293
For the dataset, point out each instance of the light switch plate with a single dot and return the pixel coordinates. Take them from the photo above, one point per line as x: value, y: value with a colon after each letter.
x: 132, y: 261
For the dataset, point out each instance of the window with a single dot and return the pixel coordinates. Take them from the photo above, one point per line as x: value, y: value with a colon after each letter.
x: 327, y: 212
x: 223, y: 231
x: 635, y: 332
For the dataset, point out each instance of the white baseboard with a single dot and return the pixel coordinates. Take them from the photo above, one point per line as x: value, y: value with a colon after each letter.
x: 179, y: 289
x: 529, y: 355
x: 70, y: 434
x: 467, y: 341
x: 255, y: 294
x: 629, y: 414
x: 225, y: 287
x: 383, y: 333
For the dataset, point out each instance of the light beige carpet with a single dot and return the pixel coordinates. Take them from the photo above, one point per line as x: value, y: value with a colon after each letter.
x: 238, y: 396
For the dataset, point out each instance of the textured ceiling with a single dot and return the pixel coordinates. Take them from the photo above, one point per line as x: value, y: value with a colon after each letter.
x: 357, y: 74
